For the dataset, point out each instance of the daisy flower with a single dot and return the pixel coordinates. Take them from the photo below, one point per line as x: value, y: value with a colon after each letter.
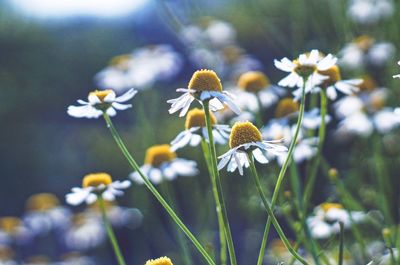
x: 332, y: 84
x: 306, y: 67
x: 161, y: 163
x: 326, y: 217
x: 159, y: 261
x: 203, y: 86
x: 94, y: 185
x: 13, y: 230
x: 397, y: 76
x: 245, y: 138
x: 99, y: 102
x: 195, y: 130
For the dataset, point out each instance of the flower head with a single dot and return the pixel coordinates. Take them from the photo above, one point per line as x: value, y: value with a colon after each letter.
x: 196, y: 118
x: 286, y: 107
x: 246, y: 139
x: 204, y: 86
x: 161, y: 163
x: 253, y: 81
x: 159, y: 261
x: 305, y: 68
x: 99, y: 102
x: 42, y: 202
x: 94, y: 185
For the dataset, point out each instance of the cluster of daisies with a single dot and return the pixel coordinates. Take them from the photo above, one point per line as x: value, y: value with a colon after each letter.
x: 47, y: 225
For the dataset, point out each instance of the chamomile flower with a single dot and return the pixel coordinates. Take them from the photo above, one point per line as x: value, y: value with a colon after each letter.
x: 245, y: 138
x: 332, y: 84
x: 326, y: 217
x: 306, y: 67
x: 13, y: 230
x: 161, y: 163
x: 370, y: 11
x: 195, y: 130
x: 159, y: 261
x: 397, y: 76
x: 97, y: 184
x: 99, y: 102
x: 203, y: 86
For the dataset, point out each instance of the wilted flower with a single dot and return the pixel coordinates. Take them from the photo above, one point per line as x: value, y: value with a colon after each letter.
x: 246, y: 138
x: 100, y: 102
x: 306, y: 67
x: 203, y: 86
x: 159, y: 261
x: 97, y: 184
x: 324, y: 221
x: 161, y: 163
x: 195, y: 130
x: 140, y: 69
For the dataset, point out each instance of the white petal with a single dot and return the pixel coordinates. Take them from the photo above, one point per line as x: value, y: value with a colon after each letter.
x: 126, y: 96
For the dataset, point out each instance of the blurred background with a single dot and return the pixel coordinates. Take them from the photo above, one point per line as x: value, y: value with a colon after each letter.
x: 55, y: 52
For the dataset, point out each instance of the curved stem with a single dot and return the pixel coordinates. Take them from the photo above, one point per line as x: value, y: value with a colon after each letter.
x: 154, y: 191
x: 321, y: 139
x: 282, y: 174
x: 270, y: 212
x: 213, y: 160
x: 222, y: 239
x: 110, y: 232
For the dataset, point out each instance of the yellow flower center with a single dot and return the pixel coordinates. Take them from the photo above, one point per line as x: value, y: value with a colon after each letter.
x: 158, y: 154
x: 10, y: 224
x: 368, y: 84
x: 196, y: 118
x: 326, y: 206
x: 96, y: 179
x: 364, y: 42
x: 159, y: 261
x: 377, y: 101
x: 333, y: 75
x: 285, y: 107
x: 205, y: 80
x: 304, y: 70
x: 42, y: 202
x: 101, y: 94
x: 121, y: 61
x: 253, y: 81
x: 243, y: 133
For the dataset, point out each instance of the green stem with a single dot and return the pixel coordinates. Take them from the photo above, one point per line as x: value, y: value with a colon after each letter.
x: 321, y: 139
x: 259, y: 114
x: 222, y: 240
x: 154, y: 191
x: 217, y: 179
x: 110, y: 232
x: 271, y: 213
x: 341, y: 245
x: 282, y: 175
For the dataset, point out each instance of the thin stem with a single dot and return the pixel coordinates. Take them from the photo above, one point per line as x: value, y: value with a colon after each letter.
x: 321, y: 139
x: 259, y: 114
x: 110, y: 232
x: 213, y: 160
x: 341, y: 245
x: 282, y: 174
x: 271, y: 213
x: 154, y: 191
x: 222, y: 240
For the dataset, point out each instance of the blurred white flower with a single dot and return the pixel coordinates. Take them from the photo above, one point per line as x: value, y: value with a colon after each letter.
x: 305, y: 66
x: 94, y: 185
x: 99, y: 102
x: 324, y: 222
x: 141, y: 69
x: 246, y: 139
x: 196, y: 130
x: 370, y: 11
x: 161, y: 163
x: 13, y: 230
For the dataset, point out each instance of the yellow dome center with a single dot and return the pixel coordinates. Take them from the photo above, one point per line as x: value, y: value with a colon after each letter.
x: 304, y: 70
x: 333, y: 75
x: 285, y: 107
x: 364, y: 42
x: 158, y: 154
x: 159, y: 261
x: 205, y: 80
x: 253, y: 81
x: 10, y: 224
x: 368, y: 84
x: 101, y: 94
x: 42, y: 202
x: 243, y: 133
x: 196, y: 118
x: 326, y: 206
x: 96, y: 179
